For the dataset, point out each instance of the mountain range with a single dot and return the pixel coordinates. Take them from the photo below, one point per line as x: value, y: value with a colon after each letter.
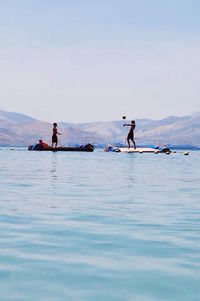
x: 21, y: 130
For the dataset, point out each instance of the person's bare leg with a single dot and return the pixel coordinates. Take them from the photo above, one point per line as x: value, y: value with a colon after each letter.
x: 133, y: 143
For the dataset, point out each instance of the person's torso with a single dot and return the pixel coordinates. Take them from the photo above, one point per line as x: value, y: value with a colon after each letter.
x: 54, y: 131
x: 132, y: 129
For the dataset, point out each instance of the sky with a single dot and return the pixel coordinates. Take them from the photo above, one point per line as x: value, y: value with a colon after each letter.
x: 96, y: 60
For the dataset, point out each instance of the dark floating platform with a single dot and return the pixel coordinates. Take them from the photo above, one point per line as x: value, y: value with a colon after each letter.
x: 84, y: 148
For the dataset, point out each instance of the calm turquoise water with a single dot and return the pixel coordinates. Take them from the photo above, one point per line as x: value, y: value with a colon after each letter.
x: 99, y: 226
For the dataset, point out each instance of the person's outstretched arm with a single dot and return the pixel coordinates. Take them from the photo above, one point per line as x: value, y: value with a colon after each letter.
x: 58, y: 133
x: 127, y: 124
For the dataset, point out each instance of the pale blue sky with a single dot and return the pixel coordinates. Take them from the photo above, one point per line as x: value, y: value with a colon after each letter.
x: 95, y: 60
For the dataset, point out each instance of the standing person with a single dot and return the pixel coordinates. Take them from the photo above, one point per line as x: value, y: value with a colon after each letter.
x: 54, y: 136
x: 130, y: 135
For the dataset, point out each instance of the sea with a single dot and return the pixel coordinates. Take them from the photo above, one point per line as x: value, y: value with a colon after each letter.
x: 99, y: 226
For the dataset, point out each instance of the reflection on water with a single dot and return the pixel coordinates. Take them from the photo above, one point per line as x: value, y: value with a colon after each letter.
x: 53, y: 174
x: 99, y: 226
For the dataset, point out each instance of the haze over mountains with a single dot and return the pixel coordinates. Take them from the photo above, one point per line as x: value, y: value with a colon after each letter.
x: 21, y: 130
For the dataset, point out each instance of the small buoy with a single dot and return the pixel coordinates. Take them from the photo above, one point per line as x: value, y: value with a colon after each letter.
x: 167, y: 153
x: 186, y: 153
x: 141, y: 152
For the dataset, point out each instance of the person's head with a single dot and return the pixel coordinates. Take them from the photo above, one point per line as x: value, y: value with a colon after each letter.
x: 40, y: 141
x: 133, y: 122
x: 55, y: 124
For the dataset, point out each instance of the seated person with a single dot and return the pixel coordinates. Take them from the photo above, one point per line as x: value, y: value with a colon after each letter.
x: 43, y: 144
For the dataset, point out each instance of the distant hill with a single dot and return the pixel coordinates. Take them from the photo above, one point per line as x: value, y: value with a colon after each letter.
x: 15, y: 118
x: 19, y: 129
